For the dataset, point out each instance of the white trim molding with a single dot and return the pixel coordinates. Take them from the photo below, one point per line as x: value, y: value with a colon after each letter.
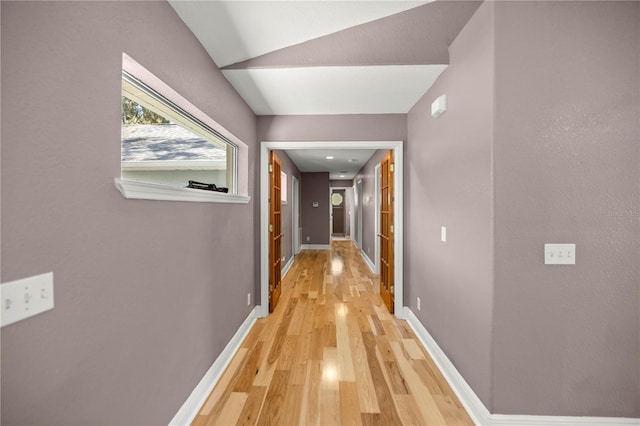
x: 398, y: 152
x: 287, y: 266
x: 315, y: 247
x: 474, y: 406
x: 368, y: 261
x: 194, y: 402
x: 132, y: 189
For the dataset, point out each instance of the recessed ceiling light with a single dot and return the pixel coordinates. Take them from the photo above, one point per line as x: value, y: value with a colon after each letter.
x: 341, y: 175
x: 329, y: 157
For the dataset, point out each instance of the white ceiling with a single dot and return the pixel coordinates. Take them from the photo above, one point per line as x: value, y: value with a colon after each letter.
x: 236, y: 31
x: 334, y: 90
x: 346, y: 162
x: 233, y: 31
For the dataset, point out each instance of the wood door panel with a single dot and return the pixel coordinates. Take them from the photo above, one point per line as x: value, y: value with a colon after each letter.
x: 386, y: 231
x: 275, y: 230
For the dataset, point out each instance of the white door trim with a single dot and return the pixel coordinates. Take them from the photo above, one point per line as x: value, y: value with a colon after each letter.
x: 376, y: 251
x: 346, y: 207
x: 267, y: 146
x: 295, y: 215
x: 358, y: 191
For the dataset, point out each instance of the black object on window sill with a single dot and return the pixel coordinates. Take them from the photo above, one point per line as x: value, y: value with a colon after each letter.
x: 206, y: 186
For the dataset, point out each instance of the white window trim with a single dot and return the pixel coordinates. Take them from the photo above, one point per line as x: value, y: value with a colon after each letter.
x: 132, y: 189
x: 153, y: 191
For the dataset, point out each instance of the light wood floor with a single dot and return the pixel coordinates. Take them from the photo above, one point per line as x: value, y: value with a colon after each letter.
x: 331, y: 354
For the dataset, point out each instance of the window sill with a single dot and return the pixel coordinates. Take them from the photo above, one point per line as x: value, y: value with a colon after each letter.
x: 152, y: 191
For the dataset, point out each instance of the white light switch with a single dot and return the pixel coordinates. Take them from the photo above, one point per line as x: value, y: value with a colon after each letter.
x: 559, y: 254
x: 25, y: 298
x: 443, y: 234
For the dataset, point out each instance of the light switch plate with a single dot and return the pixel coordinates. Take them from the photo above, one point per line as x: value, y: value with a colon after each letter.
x: 559, y: 254
x: 443, y: 234
x: 25, y: 298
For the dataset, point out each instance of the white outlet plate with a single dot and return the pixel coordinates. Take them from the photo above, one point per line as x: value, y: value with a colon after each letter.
x: 559, y: 254
x: 418, y: 303
x: 248, y: 299
x: 443, y: 234
x: 25, y: 298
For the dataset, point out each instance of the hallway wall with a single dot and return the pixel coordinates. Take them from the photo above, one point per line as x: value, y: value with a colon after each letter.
x: 314, y: 187
x: 287, y: 209
x: 540, y: 144
x: 448, y: 183
x: 369, y: 231
x: 360, y: 127
x: 147, y: 293
x: 567, y: 169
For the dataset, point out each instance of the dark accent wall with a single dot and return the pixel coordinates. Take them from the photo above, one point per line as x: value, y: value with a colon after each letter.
x: 341, y: 183
x: 315, y: 220
x: 540, y: 145
x: 287, y: 209
x: 147, y: 293
x: 567, y: 169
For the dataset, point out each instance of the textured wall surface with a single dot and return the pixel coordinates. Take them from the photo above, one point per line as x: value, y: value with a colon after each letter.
x: 448, y: 183
x: 366, y: 127
x: 566, y: 170
x: 315, y: 220
x: 147, y: 293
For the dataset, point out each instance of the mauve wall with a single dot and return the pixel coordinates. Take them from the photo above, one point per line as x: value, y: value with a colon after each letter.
x: 448, y: 183
x: 314, y: 187
x: 147, y: 293
x: 566, y: 170
x: 287, y: 209
x: 366, y: 127
x: 368, y: 177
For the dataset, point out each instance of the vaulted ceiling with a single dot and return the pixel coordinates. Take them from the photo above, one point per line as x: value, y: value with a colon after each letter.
x: 328, y: 57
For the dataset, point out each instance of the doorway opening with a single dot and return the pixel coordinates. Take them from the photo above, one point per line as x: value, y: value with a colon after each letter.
x: 397, y: 148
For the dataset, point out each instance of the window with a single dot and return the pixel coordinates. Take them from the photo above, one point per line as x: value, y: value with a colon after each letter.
x: 166, y: 142
x: 161, y: 143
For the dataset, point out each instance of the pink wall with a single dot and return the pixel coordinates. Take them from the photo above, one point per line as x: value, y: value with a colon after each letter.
x: 147, y: 293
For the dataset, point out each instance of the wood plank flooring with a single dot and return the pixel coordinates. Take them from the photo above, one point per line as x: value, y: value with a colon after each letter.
x: 331, y: 354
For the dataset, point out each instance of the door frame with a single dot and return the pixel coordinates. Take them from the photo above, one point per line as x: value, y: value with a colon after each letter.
x: 376, y: 198
x: 267, y: 146
x: 295, y: 215
x: 346, y: 206
x: 358, y: 192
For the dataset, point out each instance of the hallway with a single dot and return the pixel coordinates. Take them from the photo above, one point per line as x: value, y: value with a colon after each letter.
x: 331, y: 354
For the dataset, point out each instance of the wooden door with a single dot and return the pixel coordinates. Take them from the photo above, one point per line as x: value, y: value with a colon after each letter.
x: 275, y: 230
x: 386, y: 230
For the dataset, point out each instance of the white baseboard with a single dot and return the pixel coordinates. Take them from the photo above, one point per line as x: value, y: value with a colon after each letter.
x: 368, y: 261
x: 476, y: 409
x: 315, y: 247
x: 474, y: 406
x: 286, y: 267
x: 192, y: 405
